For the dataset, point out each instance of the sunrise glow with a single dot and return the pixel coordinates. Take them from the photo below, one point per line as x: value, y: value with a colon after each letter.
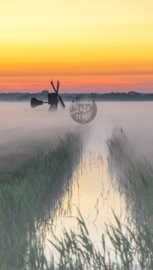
x: 90, y: 46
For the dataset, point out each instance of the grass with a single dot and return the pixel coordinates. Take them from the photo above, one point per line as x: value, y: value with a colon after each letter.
x: 132, y: 247
x: 132, y: 241
x: 131, y: 175
x: 22, y: 205
x: 17, y: 157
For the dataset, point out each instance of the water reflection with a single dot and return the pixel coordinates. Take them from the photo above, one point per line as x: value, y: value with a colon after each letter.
x: 25, y: 214
x: 92, y: 194
x: 88, y: 185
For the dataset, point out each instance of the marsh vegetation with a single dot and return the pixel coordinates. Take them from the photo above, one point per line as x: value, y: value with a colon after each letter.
x: 25, y: 204
x: 30, y: 203
x: 132, y: 240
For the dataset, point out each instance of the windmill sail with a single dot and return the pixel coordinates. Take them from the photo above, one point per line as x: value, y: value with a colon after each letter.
x: 56, y: 91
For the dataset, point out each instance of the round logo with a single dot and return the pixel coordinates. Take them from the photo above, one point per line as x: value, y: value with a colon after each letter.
x: 83, y: 109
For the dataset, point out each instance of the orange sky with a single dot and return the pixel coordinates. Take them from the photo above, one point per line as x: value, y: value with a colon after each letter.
x: 89, y: 46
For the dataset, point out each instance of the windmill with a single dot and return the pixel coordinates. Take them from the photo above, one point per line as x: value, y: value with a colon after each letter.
x: 53, y: 99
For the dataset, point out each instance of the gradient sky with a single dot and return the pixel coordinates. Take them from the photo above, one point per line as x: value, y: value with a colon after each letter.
x: 89, y: 46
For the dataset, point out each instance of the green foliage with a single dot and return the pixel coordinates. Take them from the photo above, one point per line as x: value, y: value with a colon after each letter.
x: 132, y: 241
x: 132, y: 246
x: 22, y: 206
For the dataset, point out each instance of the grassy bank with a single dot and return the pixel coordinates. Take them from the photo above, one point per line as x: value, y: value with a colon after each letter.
x: 132, y: 241
x: 24, y: 210
x: 22, y: 204
x: 131, y: 175
x: 132, y: 248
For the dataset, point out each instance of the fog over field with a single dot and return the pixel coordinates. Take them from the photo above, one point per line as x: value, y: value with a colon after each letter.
x: 25, y: 131
x: 116, y: 144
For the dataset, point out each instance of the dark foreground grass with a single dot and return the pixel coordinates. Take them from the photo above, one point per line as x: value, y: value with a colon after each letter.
x: 132, y: 247
x: 131, y: 175
x: 20, y: 246
x: 132, y: 241
x: 22, y: 205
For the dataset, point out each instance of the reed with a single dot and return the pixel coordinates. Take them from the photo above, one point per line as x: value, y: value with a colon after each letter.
x: 132, y: 247
x: 23, y: 202
x: 131, y: 175
x: 132, y: 241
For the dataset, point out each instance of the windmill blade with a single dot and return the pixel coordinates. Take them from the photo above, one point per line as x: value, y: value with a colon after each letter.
x: 53, y: 87
x: 61, y: 102
x: 57, y: 87
x: 56, y: 91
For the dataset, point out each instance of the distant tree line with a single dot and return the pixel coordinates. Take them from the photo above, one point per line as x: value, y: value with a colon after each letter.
x: 130, y: 96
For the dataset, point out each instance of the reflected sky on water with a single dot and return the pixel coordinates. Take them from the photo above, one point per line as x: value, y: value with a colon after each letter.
x: 25, y: 132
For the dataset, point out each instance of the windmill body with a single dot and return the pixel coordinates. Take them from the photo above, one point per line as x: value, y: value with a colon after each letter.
x: 53, y: 99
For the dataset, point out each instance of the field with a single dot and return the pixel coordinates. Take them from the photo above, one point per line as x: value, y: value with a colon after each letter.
x: 37, y: 175
x: 24, y: 204
x: 132, y: 241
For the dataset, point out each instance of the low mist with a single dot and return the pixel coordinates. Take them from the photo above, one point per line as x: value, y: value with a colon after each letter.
x: 25, y: 131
